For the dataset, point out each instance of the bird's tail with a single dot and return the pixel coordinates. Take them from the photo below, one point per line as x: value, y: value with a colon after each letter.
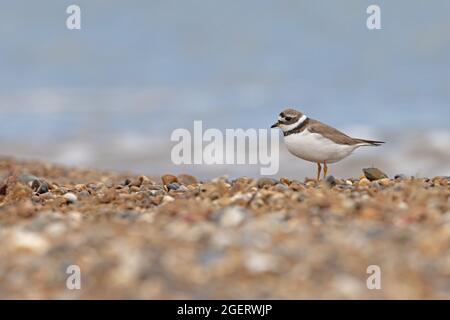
x: 370, y: 142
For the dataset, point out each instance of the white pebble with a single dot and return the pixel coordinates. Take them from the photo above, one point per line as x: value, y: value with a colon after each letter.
x: 168, y: 199
x: 258, y: 262
x: 31, y: 241
x: 403, y: 205
x: 70, y: 197
x: 232, y: 217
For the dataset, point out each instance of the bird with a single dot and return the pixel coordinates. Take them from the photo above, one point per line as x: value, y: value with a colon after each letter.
x: 314, y: 141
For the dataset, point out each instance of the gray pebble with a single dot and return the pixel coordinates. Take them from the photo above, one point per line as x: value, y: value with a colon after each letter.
x: 128, y: 215
x: 281, y: 187
x: 400, y: 177
x: 374, y: 174
x: 126, y: 182
x: 27, y: 178
x: 39, y: 186
x: 84, y: 194
x: 47, y: 196
x: 331, y: 181
x: 375, y: 185
x: 173, y: 186
x: 63, y: 190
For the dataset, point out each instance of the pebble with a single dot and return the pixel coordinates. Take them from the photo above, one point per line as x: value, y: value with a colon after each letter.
x: 374, y: 174
x: 56, y: 229
x: 232, y: 216
x: 84, y: 194
x: 385, y: 182
x: 135, y: 183
x: 375, y: 185
x: 400, y: 177
x: 30, y: 241
x: 27, y: 178
x: 126, y: 182
x: 403, y: 205
x: 129, y: 215
x: 141, y: 181
x: 47, y: 196
x: 173, y: 186
x: 187, y: 179
x: 156, y: 192
x: 296, y: 186
x: 39, y: 186
x: 295, y: 236
x: 75, y: 216
x: 134, y: 188
x: 144, y: 180
x: 364, y: 182
x: 70, y: 197
x: 63, y: 190
x: 168, y: 178
x: 93, y: 186
x: 281, y: 187
x: 183, y: 188
x: 310, y: 184
x: 266, y: 182
x: 331, y: 181
x: 211, y: 257
x: 166, y: 199
x: 3, y: 188
x: 107, y: 196
x: 258, y: 262
x: 370, y: 214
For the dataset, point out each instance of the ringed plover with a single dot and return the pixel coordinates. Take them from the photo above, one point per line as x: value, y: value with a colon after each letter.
x: 317, y: 142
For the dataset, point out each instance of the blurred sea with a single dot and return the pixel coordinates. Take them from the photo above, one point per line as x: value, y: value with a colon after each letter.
x: 109, y: 95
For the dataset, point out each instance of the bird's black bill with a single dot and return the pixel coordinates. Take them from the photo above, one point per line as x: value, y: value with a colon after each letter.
x: 275, y: 125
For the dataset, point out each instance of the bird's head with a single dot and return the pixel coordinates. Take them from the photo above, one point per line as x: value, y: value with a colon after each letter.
x: 289, y: 119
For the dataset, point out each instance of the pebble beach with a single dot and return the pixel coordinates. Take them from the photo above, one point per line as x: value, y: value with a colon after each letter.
x: 179, y: 237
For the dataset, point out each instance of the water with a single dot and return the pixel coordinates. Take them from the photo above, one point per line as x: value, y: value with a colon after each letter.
x: 109, y: 95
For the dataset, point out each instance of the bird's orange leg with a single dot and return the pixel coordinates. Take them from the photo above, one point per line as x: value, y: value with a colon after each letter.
x: 325, y: 169
x: 319, y: 169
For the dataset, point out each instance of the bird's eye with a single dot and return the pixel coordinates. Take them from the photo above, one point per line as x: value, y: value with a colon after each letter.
x: 288, y: 118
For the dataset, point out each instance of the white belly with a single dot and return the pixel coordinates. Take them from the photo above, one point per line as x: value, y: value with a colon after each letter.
x: 314, y: 147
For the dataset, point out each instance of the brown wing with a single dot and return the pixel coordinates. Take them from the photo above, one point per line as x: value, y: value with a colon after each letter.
x: 331, y: 133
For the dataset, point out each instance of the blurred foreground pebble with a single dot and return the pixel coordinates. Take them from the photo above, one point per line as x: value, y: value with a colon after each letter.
x: 176, y: 237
